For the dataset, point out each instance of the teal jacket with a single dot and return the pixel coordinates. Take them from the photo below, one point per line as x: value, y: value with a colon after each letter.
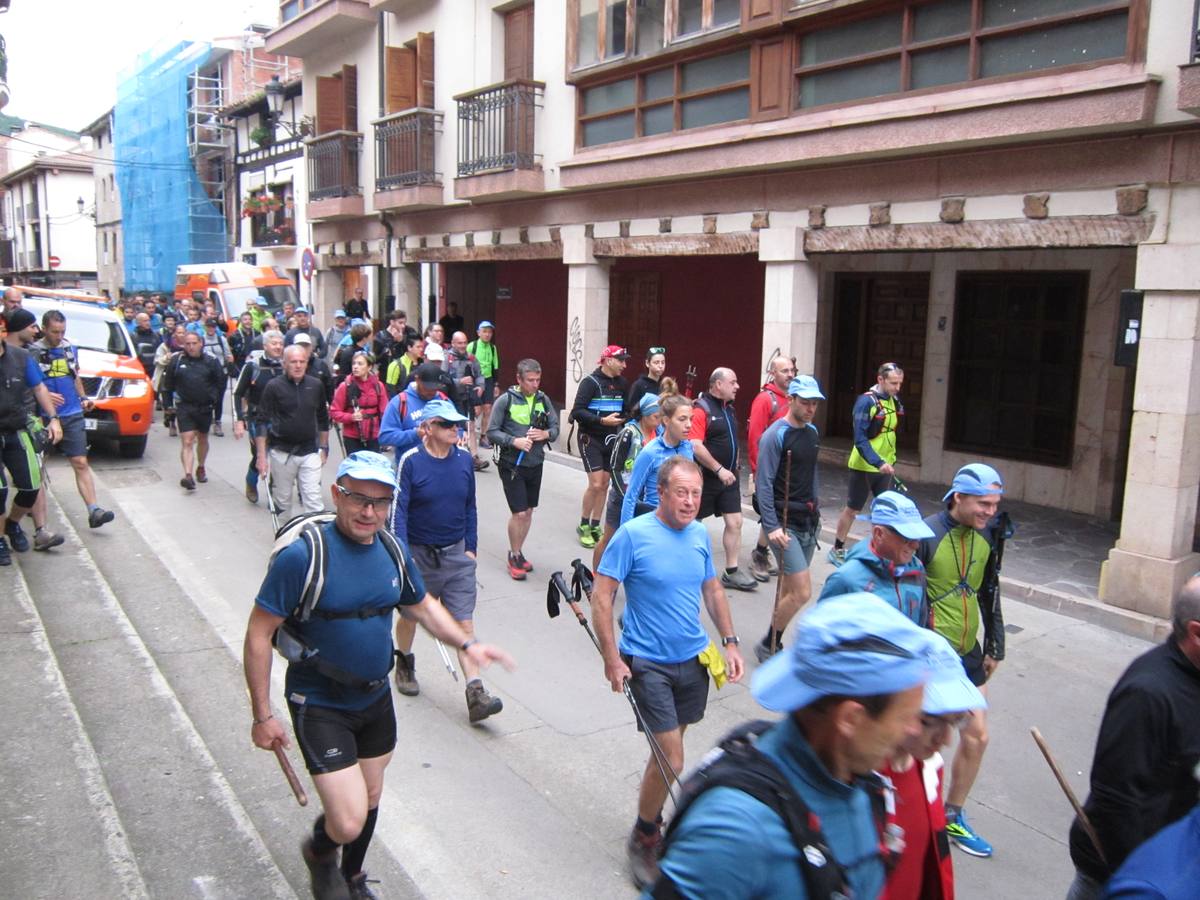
x: 901, y: 586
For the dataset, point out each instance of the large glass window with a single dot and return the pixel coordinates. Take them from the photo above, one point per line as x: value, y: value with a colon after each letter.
x: 609, y: 29
x: 689, y: 94
x: 1014, y: 367
x: 930, y: 44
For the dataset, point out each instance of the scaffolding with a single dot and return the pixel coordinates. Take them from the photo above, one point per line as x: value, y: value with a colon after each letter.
x: 170, y: 155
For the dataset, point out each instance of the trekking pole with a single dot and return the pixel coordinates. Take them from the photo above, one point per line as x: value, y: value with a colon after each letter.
x: 772, y: 634
x: 341, y: 441
x: 271, y: 508
x: 582, y: 586
x: 1062, y: 783
x: 446, y: 659
x: 899, y: 485
x: 293, y: 782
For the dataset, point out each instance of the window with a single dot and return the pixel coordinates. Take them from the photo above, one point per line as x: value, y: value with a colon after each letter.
x: 925, y: 45
x: 610, y: 29
x: 691, y: 94
x: 271, y: 211
x: 1014, y: 368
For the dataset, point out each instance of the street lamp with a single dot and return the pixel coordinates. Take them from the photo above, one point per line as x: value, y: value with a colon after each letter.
x: 274, y: 92
x: 82, y: 204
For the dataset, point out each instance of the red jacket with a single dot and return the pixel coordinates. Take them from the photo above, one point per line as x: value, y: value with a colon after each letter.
x: 372, y: 400
x: 924, y: 870
x: 770, y: 404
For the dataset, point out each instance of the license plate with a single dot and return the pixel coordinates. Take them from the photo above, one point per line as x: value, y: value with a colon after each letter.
x: 91, y: 424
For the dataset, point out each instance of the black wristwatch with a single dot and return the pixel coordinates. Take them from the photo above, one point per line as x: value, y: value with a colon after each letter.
x: 467, y: 644
x: 731, y: 639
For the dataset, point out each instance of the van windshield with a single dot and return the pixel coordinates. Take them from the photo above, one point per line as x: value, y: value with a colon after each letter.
x: 97, y: 334
x: 238, y: 300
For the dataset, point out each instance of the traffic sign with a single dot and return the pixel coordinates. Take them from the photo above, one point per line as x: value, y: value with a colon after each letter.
x: 55, y: 262
x: 308, y: 264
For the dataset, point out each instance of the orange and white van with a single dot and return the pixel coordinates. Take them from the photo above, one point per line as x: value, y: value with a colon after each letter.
x: 108, y: 366
x: 235, y: 288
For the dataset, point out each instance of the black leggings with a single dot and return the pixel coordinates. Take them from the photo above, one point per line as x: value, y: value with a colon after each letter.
x: 353, y: 445
x: 18, y: 457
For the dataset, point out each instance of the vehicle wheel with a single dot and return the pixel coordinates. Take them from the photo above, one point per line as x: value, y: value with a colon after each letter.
x: 132, y: 448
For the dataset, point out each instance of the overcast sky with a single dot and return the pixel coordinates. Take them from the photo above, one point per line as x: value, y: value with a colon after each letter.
x: 65, y: 56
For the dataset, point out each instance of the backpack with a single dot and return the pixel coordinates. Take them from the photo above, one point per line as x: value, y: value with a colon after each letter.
x: 309, y: 528
x: 737, y: 763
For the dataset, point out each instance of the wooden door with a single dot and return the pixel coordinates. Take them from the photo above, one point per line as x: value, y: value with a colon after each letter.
x: 878, y: 318
x: 473, y: 287
x: 634, y: 311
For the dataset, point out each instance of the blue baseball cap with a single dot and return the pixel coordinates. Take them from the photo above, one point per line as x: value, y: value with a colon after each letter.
x: 301, y: 309
x: 948, y: 689
x: 853, y: 645
x: 262, y: 301
x: 339, y: 314
x: 893, y: 509
x: 648, y: 405
x: 805, y: 387
x: 976, y: 479
x: 441, y: 409
x: 486, y: 324
x: 367, y: 465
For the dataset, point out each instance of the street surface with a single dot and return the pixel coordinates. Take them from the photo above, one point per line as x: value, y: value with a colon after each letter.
x: 126, y: 768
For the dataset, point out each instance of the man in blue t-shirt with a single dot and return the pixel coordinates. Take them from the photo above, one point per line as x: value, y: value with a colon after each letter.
x: 55, y: 356
x: 341, y: 707
x: 665, y: 562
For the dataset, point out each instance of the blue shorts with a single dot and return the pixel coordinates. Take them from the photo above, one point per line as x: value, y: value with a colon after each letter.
x: 74, y: 439
x: 798, y: 554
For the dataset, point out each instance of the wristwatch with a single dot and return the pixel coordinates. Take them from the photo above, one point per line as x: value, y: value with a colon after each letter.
x: 467, y: 643
x: 731, y: 639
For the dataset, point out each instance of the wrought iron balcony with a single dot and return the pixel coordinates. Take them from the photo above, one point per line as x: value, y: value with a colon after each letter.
x: 333, y: 165
x: 404, y: 149
x: 496, y: 127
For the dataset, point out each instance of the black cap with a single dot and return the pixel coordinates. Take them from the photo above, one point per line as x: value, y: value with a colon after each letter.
x: 428, y: 373
x: 20, y: 319
x: 213, y: 321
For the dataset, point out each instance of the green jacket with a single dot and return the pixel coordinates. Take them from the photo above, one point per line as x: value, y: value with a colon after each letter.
x: 512, y: 416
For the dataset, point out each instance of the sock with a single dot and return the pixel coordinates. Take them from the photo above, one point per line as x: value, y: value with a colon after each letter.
x: 584, y: 522
x: 952, y: 812
x: 322, y: 844
x: 595, y: 523
x: 39, y: 529
x: 838, y: 545
x: 356, y: 850
x: 760, y: 549
x: 646, y: 828
x: 92, y: 507
x: 731, y: 570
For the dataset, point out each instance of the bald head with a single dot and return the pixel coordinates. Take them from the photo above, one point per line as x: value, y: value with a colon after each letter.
x: 12, y: 299
x: 723, y: 384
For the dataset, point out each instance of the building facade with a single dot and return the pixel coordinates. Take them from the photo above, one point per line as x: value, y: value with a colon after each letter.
x: 965, y: 187
x: 105, y: 203
x: 53, y: 243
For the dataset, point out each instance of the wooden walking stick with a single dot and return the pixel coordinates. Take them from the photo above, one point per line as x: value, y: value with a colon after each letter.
x: 290, y: 774
x: 772, y: 634
x: 1062, y: 783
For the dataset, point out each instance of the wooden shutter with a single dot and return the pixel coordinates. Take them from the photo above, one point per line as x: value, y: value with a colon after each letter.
x: 518, y: 43
x: 770, y: 78
x: 761, y: 13
x: 425, y: 70
x: 400, y: 64
x: 329, y: 103
x: 349, y: 98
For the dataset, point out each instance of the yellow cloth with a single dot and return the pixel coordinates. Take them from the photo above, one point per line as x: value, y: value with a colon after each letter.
x: 712, y: 660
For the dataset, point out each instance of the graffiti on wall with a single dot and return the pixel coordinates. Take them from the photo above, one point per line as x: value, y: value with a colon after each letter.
x: 575, y: 348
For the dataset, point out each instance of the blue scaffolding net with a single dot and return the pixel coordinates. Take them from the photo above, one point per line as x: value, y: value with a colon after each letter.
x: 170, y: 167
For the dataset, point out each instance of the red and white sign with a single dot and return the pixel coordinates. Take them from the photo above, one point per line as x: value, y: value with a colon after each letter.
x: 55, y: 262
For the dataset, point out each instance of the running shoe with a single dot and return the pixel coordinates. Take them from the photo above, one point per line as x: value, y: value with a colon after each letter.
x: 762, y: 654
x: 325, y: 878
x: 100, y: 516
x: 965, y: 837
x: 359, y: 889
x: 837, y: 556
x: 515, y: 570
x: 485, y: 444
x: 5, y: 556
x: 738, y: 581
x: 598, y: 533
x: 760, y: 564
x: 525, y: 564
x: 16, y: 536
x: 587, y: 537
x: 201, y: 474
x: 187, y: 482
x: 44, y: 540
x: 480, y: 464
x: 217, y: 430
x: 642, y: 852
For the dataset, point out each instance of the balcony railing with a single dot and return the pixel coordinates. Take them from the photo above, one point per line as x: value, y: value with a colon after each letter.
x: 333, y: 165
x: 404, y: 149
x: 496, y: 127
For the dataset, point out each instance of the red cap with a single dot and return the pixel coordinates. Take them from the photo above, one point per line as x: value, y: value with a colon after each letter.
x: 614, y: 351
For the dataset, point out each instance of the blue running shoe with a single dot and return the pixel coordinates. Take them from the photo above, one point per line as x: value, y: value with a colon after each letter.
x: 964, y: 836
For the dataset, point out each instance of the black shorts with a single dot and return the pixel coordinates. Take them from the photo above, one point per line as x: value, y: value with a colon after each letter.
x: 668, y: 694
x: 193, y: 418
x: 719, y: 499
x: 596, y: 453
x: 863, y: 483
x: 333, y: 739
x: 522, y: 485
x: 973, y: 665
x: 489, y: 391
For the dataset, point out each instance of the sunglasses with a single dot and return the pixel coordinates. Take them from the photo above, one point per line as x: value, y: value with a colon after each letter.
x: 362, y: 501
x: 441, y: 423
x: 654, y: 351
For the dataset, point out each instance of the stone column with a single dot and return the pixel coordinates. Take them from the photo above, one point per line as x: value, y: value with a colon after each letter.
x: 789, y: 300
x: 587, y: 307
x: 1153, y: 555
x: 406, y: 285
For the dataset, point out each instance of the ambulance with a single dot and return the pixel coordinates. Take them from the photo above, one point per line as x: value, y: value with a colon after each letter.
x: 235, y: 287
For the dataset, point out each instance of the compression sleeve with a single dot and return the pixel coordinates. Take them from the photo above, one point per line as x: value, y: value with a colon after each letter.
x: 764, y: 481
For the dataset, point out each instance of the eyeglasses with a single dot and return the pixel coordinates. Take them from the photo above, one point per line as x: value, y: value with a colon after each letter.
x: 888, y: 367
x: 954, y: 721
x: 362, y: 501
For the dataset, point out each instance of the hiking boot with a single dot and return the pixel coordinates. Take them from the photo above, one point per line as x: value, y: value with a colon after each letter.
x: 99, y: 516
x: 217, y: 430
x: 524, y: 563
x: 406, y: 674
x: 485, y: 444
x: 481, y: 704
x: 762, y: 653
x: 587, y: 538
x: 187, y: 482
x: 642, y: 852
x: 515, y: 570
x: 252, y: 493
x: 837, y: 556
x: 324, y: 876
x: 5, y: 556
x: 738, y: 581
x: 760, y: 564
x: 480, y: 464
x: 16, y: 536
x: 965, y: 837
x: 44, y: 540
x: 201, y: 474
x: 359, y: 889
